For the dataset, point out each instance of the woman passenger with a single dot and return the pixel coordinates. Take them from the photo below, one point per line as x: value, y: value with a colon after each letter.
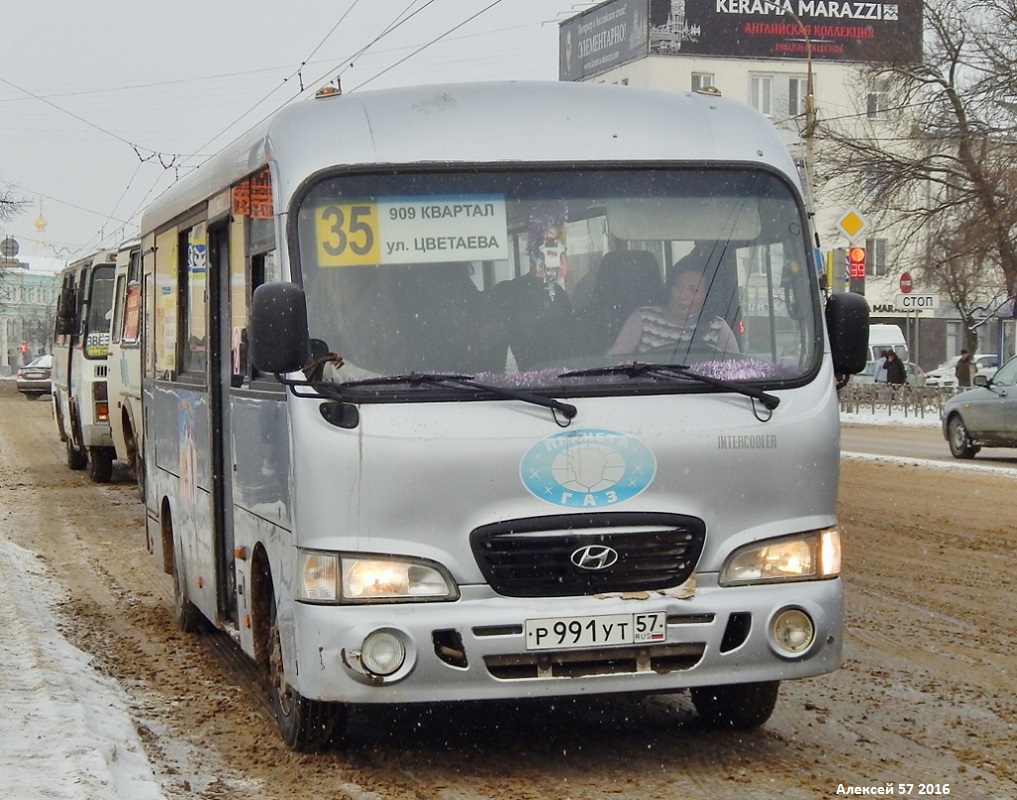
x: 679, y: 324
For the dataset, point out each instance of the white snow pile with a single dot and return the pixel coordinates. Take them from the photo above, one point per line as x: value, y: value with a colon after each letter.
x: 65, y: 731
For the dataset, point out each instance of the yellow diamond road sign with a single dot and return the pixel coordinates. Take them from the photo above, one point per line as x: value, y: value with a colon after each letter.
x: 852, y: 223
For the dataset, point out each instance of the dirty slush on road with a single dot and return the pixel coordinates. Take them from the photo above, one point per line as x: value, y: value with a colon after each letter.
x: 925, y: 699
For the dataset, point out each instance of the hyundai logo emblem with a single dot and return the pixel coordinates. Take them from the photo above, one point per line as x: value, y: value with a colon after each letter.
x: 594, y: 557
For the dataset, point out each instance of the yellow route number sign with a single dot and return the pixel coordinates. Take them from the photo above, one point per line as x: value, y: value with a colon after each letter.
x: 347, y: 234
x: 408, y: 230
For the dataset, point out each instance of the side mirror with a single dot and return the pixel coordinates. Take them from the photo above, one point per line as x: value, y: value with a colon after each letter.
x: 847, y: 322
x: 277, y: 329
x: 65, y: 325
x: 66, y: 319
x: 981, y: 380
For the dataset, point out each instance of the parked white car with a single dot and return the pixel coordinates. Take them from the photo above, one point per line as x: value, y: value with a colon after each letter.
x: 945, y: 377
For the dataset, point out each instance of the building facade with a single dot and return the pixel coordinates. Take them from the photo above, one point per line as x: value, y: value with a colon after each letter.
x: 795, y: 61
x: 28, y: 299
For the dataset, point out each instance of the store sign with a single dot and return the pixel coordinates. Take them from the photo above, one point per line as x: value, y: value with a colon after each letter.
x: 612, y: 33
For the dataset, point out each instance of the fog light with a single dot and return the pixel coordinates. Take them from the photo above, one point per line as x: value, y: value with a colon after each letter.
x: 382, y: 653
x: 793, y: 631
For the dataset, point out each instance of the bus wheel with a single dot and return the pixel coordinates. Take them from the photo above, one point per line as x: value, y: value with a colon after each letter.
x: 741, y: 705
x: 100, y: 464
x: 189, y: 617
x: 136, y: 461
x: 75, y: 458
x: 305, y: 725
x: 139, y: 476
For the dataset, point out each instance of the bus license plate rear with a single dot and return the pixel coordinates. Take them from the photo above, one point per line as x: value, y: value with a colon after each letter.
x: 565, y: 633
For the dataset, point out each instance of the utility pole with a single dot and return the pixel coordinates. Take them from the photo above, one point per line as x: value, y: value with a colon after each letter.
x: 809, y: 127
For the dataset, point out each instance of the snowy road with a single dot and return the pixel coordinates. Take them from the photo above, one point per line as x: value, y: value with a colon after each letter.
x: 102, y: 699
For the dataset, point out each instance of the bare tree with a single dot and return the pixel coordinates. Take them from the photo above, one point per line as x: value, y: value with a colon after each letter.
x: 9, y: 206
x: 932, y: 155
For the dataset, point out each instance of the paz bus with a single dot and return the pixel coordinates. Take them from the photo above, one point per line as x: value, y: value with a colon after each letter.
x: 395, y: 451
x: 80, y: 349
x: 124, y: 361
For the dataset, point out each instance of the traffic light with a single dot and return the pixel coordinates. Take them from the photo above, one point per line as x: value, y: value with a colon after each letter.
x: 856, y: 269
x: 856, y: 262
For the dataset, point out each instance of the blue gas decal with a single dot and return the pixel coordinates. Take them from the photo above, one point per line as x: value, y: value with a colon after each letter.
x: 587, y: 468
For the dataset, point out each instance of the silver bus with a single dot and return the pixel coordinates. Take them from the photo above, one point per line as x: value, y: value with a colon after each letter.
x: 124, y: 362
x: 487, y: 391
x: 81, y: 345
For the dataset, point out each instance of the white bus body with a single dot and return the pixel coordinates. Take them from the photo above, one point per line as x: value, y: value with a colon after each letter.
x: 124, y: 374
x: 81, y: 345
x: 482, y: 502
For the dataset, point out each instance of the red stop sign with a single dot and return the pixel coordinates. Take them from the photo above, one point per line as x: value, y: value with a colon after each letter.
x: 906, y: 285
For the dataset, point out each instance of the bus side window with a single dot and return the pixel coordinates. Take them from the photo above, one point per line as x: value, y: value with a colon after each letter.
x: 120, y: 297
x: 263, y: 270
x: 191, y: 282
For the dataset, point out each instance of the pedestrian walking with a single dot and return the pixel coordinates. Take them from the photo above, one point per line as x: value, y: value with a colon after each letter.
x: 965, y: 370
x: 895, y: 372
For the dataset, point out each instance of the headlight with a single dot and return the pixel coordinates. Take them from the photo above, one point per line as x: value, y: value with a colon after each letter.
x: 805, y: 557
x: 344, y: 578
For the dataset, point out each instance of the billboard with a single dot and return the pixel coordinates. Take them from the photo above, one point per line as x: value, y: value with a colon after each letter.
x: 839, y: 30
x: 603, y: 37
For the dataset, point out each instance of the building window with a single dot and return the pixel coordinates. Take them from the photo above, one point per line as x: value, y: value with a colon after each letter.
x: 780, y: 95
x: 876, y: 100
x: 875, y: 257
x: 761, y: 93
x: 700, y: 80
x: 797, y: 91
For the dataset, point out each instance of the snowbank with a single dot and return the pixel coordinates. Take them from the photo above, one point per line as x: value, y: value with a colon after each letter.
x: 65, y: 731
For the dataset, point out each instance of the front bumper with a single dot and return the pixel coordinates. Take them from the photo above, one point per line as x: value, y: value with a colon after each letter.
x: 475, y: 649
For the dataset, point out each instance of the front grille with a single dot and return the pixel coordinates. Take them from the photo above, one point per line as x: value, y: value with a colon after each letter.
x: 541, y: 556
x: 660, y: 659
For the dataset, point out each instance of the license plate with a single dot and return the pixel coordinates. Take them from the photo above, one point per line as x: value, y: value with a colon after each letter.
x: 565, y: 633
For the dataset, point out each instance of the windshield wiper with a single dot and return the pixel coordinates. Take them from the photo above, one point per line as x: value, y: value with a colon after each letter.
x: 567, y: 410
x: 637, y: 368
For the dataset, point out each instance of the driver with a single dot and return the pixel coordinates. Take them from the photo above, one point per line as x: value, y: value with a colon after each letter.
x: 679, y: 324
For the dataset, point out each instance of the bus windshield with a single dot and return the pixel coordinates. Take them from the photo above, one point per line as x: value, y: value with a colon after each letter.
x: 100, y: 306
x: 538, y: 278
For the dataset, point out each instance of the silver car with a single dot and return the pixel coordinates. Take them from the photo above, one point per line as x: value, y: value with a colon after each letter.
x: 985, y: 416
x: 34, y: 377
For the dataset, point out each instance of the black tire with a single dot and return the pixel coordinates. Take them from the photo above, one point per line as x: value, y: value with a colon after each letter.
x: 139, y: 475
x: 75, y: 458
x: 960, y: 442
x: 59, y: 417
x: 305, y: 725
x: 189, y: 617
x: 32, y: 396
x: 100, y: 464
x: 739, y: 706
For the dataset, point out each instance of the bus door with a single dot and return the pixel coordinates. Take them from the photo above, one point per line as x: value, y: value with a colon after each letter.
x: 219, y: 376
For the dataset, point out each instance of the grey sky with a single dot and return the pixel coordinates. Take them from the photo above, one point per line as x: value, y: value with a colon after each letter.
x: 104, y: 102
